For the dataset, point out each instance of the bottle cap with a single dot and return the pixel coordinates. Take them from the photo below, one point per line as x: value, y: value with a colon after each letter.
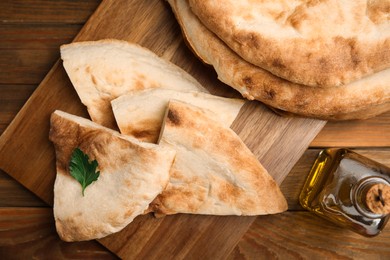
x: 378, y: 198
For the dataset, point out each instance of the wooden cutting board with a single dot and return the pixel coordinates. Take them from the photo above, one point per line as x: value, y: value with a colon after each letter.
x: 27, y: 155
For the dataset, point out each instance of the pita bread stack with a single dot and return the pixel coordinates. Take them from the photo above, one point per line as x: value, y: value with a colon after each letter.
x: 199, y: 166
x: 323, y: 59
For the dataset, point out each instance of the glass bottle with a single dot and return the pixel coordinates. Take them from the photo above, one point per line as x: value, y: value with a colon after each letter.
x: 349, y: 190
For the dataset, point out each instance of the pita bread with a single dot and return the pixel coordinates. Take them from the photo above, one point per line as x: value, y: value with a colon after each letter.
x: 104, y: 70
x: 361, y: 99
x: 214, y: 172
x: 317, y: 43
x: 140, y: 114
x: 132, y: 174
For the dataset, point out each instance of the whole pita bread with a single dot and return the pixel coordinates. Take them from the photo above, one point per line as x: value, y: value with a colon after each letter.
x: 103, y: 70
x: 214, y: 172
x: 140, y: 114
x: 317, y: 43
x: 361, y: 99
x: 132, y: 174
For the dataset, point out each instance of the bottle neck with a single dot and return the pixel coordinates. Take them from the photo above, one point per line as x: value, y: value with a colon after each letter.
x: 372, y: 197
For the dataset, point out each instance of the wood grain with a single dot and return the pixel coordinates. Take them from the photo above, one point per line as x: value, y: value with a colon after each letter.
x: 39, y: 62
x: 373, y: 132
x: 13, y: 194
x: 302, y: 235
x: 41, y: 11
x: 12, y: 98
x: 36, y: 36
x: 27, y: 52
x: 29, y: 233
x: 175, y: 236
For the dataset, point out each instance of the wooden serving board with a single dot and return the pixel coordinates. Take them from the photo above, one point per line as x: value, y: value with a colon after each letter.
x: 27, y: 155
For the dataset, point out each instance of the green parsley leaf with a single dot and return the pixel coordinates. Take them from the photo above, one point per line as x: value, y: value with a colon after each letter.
x: 83, y: 170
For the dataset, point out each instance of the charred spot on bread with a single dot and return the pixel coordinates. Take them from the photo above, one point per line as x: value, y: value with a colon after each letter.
x: 173, y: 117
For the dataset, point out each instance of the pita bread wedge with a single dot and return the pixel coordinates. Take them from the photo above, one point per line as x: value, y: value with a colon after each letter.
x: 361, y: 99
x: 214, y: 172
x: 132, y: 174
x: 323, y: 43
x: 140, y: 114
x: 103, y: 70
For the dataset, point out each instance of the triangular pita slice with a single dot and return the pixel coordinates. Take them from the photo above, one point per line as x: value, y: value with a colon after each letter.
x: 214, y: 172
x: 103, y: 70
x: 132, y: 174
x: 360, y: 99
x: 141, y: 113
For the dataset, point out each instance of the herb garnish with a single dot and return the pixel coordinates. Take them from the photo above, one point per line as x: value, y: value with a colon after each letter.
x: 83, y: 170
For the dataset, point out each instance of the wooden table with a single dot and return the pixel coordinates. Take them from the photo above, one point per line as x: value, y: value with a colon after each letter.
x: 31, y: 32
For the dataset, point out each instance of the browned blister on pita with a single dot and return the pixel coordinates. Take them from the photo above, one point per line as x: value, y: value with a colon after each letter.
x: 214, y: 172
x: 323, y: 43
x: 101, y: 71
x: 364, y: 98
x: 132, y: 174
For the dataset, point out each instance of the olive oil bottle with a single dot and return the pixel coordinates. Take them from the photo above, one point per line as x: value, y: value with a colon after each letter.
x: 349, y: 190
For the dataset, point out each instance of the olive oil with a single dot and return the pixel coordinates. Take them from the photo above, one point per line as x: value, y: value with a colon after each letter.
x: 349, y: 190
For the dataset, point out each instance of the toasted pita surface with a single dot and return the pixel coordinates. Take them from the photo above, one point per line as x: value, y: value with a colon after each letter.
x: 132, y: 174
x: 102, y: 70
x: 361, y: 99
x: 214, y: 172
x: 140, y: 114
x: 316, y: 43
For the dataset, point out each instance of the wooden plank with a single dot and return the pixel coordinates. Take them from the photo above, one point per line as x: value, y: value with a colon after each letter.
x: 373, y: 132
x: 278, y: 142
x: 302, y: 235
x: 41, y: 11
x: 25, y: 66
x: 37, y: 36
x: 13, y: 194
x: 270, y: 237
x: 12, y: 99
x: 28, y: 51
x: 29, y: 233
x: 26, y: 232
